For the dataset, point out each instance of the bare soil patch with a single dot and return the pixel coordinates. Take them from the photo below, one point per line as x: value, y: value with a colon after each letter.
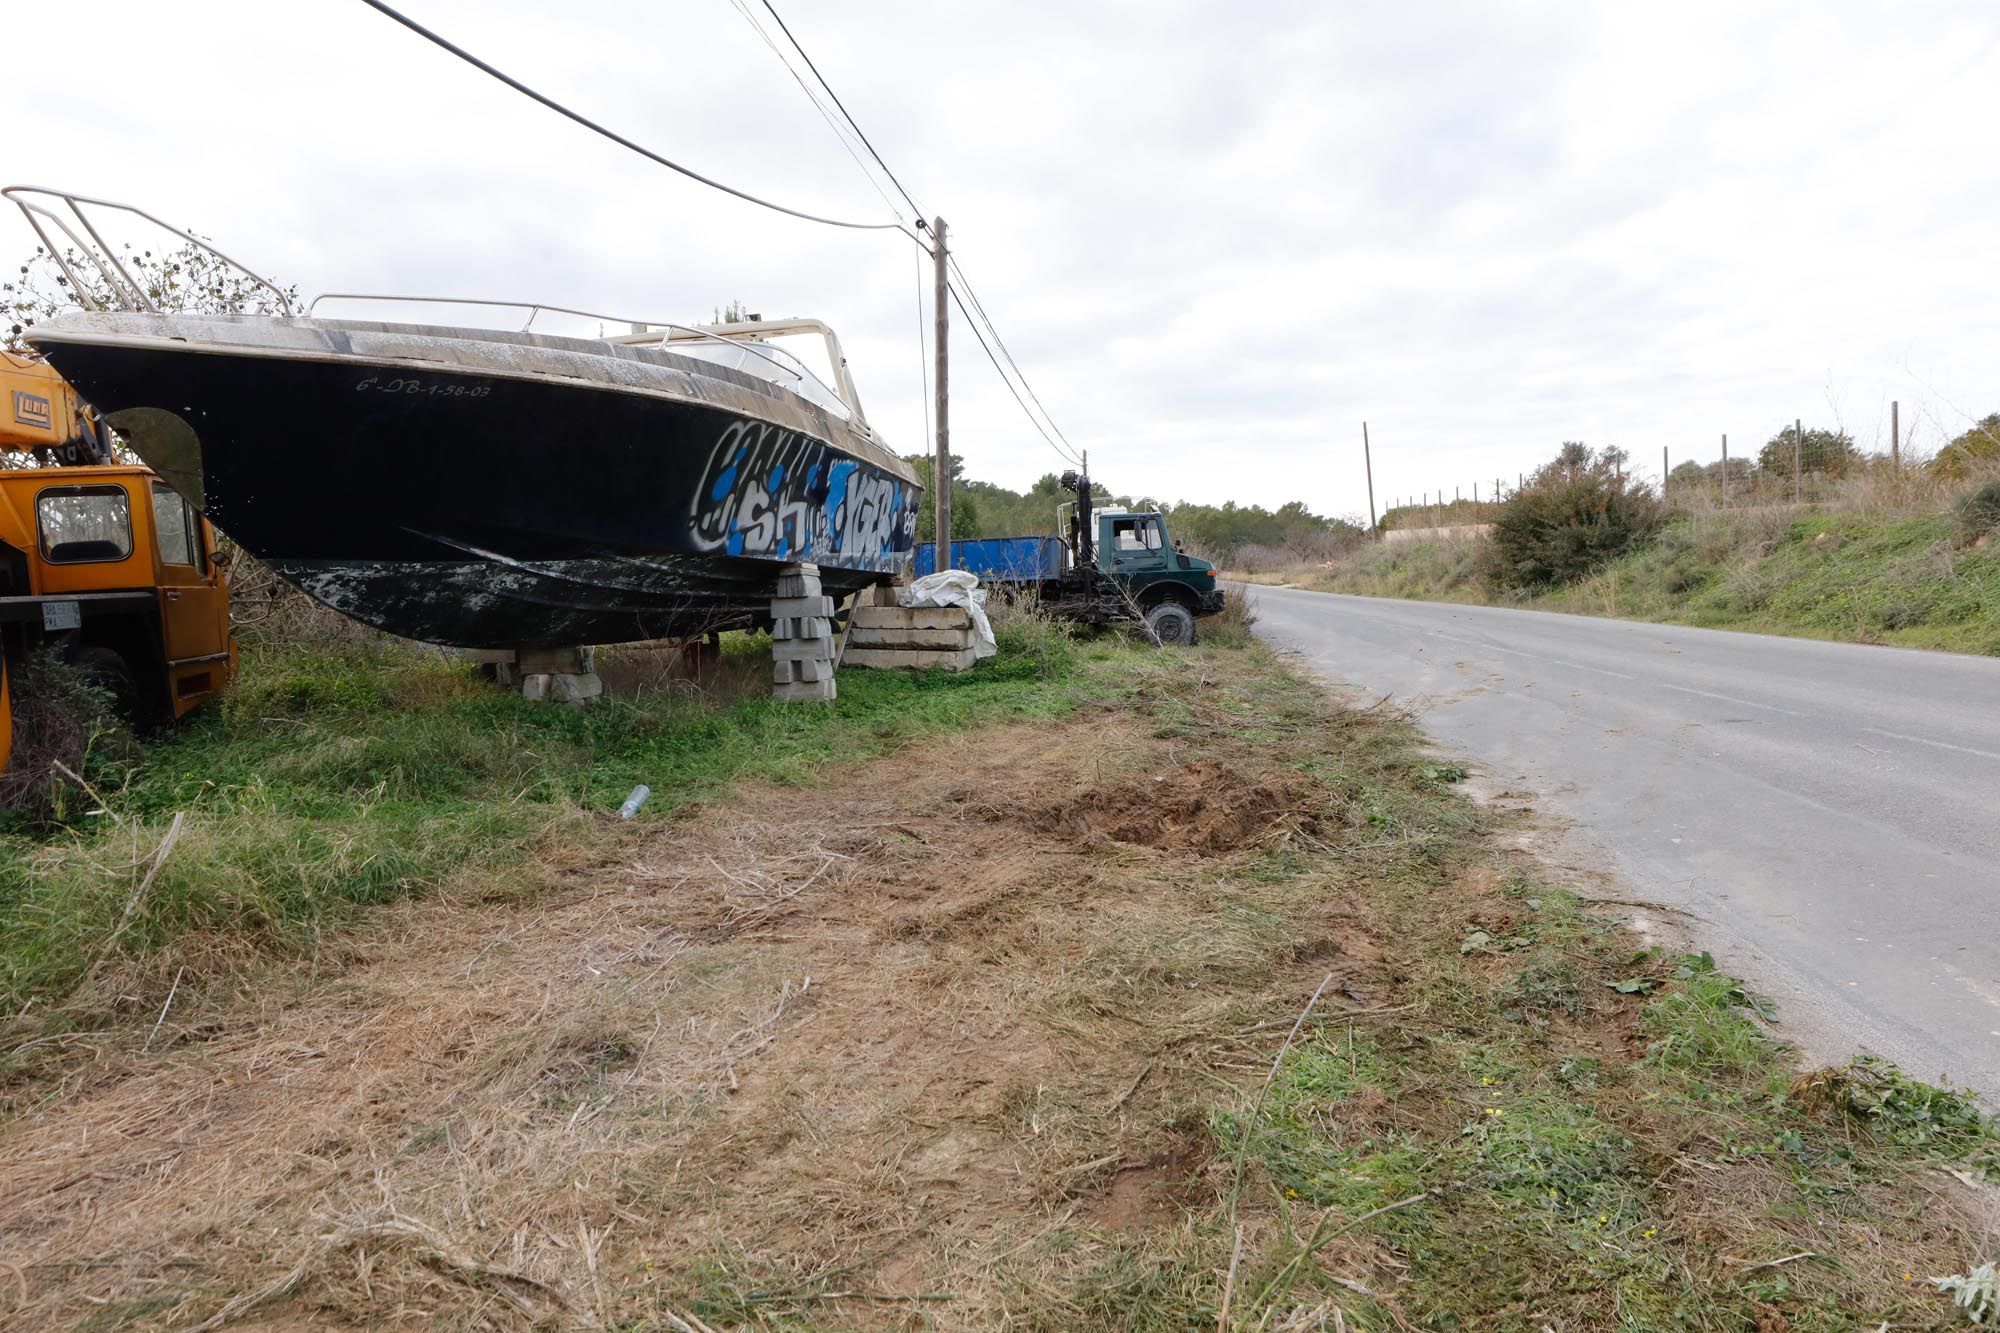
x: 1202, y: 807
x: 840, y: 1048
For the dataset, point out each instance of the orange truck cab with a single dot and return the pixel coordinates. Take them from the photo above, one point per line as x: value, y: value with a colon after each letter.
x: 104, y: 562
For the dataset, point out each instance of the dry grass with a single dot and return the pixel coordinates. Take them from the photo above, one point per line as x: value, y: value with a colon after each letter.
x: 63, y: 726
x: 1873, y: 490
x: 965, y: 1037
x: 266, y: 611
x: 867, y: 1041
x: 1231, y: 626
x: 688, y: 667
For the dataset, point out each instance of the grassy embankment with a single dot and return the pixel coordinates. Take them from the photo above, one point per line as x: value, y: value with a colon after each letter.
x: 1909, y: 572
x: 1496, y: 1112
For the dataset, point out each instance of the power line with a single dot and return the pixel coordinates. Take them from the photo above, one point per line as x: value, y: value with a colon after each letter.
x: 978, y: 311
x: 923, y: 366
x: 843, y: 111
x: 613, y: 135
x: 974, y: 320
x: 980, y: 306
x: 846, y: 136
x: 973, y: 324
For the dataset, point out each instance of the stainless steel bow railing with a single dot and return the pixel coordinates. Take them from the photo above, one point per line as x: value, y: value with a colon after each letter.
x: 42, y: 207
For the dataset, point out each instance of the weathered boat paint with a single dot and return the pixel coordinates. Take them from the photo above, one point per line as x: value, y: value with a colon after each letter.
x: 495, y: 489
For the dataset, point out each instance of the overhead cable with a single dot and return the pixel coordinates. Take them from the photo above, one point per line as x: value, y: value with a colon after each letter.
x: 847, y: 134
x: 613, y: 135
x: 843, y: 111
x: 977, y: 314
x: 973, y: 324
x: 987, y: 320
x: 923, y: 352
x: 974, y: 319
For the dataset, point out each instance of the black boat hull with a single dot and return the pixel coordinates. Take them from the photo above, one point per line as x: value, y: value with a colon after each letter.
x: 492, y: 510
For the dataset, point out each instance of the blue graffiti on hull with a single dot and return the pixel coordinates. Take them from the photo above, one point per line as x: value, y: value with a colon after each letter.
x: 779, y: 494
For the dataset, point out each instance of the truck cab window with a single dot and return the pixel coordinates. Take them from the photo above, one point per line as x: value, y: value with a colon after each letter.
x: 84, y: 523
x: 1135, y: 536
x: 175, y: 526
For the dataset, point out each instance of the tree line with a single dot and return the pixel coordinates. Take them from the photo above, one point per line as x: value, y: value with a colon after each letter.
x: 1228, y: 533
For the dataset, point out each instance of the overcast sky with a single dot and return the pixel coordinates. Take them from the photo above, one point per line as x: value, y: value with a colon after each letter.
x: 1218, y: 236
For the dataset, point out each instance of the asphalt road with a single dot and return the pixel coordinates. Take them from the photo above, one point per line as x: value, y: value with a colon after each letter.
x: 1829, y: 814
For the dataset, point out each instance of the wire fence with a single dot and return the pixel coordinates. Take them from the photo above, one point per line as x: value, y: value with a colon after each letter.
x: 1820, y: 468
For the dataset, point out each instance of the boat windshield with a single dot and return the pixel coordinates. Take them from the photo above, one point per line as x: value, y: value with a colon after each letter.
x: 766, y: 363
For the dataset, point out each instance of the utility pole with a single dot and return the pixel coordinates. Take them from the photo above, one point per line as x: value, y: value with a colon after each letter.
x: 1663, y: 472
x: 1799, y: 461
x: 1895, y: 436
x: 941, y: 470
x: 1725, y: 468
x: 1368, y: 462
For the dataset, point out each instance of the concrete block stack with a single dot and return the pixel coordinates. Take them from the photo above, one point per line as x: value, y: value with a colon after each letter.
x: 560, y: 675
x: 801, y: 636
x: 909, y: 636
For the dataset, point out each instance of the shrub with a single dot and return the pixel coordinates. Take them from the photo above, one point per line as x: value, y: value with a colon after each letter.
x: 1032, y: 637
x: 1974, y: 451
x: 1979, y: 512
x: 1575, y: 514
x: 1252, y: 558
x: 1230, y: 627
x: 1818, y: 450
x: 60, y: 717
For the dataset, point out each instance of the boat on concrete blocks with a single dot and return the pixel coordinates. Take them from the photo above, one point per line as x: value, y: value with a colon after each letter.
x: 499, y: 489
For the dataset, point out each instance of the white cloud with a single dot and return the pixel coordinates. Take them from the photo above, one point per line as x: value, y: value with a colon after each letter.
x: 1217, y: 235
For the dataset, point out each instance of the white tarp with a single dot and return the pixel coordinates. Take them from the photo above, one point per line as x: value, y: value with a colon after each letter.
x: 954, y: 587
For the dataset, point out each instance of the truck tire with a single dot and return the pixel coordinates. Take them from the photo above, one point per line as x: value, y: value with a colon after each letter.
x: 1170, y: 623
x: 107, y: 669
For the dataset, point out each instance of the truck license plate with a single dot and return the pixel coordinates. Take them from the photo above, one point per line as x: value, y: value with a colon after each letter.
x: 61, y: 615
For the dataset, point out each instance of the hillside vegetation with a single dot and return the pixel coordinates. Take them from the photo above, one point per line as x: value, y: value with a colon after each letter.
x: 1908, y: 557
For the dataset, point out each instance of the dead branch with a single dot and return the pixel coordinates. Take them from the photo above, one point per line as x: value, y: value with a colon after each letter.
x: 1257, y: 1108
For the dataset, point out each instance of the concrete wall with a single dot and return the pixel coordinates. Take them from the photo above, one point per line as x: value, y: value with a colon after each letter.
x: 1458, y: 532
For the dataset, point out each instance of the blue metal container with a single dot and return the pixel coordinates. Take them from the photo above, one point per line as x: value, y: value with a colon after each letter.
x: 999, y: 559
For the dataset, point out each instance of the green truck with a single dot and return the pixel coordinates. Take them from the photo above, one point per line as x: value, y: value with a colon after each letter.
x: 1113, y: 566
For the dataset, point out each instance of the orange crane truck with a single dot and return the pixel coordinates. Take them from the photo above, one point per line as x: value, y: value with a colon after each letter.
x: 102, y: 561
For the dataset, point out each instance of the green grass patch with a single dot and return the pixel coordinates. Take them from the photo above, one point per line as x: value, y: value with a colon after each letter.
x: 327, y: 782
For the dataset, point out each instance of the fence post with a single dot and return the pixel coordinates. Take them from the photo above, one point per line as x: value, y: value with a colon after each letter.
x: 1798, y: 461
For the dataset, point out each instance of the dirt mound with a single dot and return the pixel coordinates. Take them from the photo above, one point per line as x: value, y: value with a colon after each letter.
x: 1202, y: 807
